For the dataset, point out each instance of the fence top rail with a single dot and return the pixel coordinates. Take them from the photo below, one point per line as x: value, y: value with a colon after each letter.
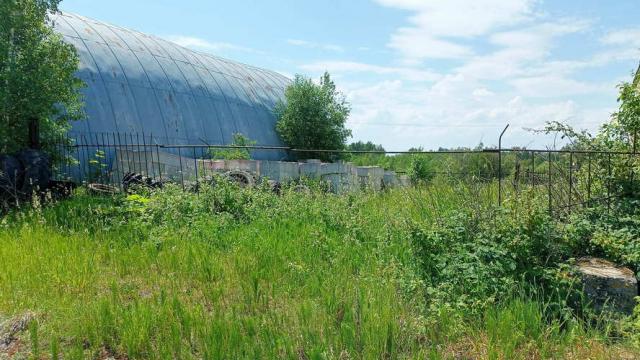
x: 285, y: 148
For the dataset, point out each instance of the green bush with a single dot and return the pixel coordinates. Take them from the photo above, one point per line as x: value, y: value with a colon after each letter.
x: 237, y: 153
x: 420, y: 170
x: 472, y: 262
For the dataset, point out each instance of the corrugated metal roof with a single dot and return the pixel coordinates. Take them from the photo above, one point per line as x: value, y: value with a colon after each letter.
x: 141, y: 83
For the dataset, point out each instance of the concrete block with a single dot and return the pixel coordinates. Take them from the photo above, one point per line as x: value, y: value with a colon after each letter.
x: 608, y: 286
x: 310, y: 170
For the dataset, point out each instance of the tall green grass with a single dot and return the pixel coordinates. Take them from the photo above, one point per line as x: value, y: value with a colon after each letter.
x: 239, y: 273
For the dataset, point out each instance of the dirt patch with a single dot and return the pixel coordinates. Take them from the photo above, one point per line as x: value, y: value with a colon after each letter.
x: 9, y: 331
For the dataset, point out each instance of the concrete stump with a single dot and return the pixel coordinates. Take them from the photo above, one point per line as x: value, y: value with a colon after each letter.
x: 608, y: 286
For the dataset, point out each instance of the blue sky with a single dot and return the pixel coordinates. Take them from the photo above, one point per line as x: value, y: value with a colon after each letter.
x: 420, y: 72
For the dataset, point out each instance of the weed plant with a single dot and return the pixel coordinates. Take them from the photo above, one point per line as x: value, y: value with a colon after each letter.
x: 434, y: 271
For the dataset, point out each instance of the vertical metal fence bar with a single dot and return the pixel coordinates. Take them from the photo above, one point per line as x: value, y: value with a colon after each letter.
x: 151, y: 141
x: 87, y: 163
x: 116, y: 163
x: 142, y: 168
x: 532, y: 175
x: 609, y: 182
x: 134, y: 154
x: 181, y: 169
x: 120, y: 158
x: 105, y: 148
x: 146, y: 158
x: 589, y: 179
x: 98, y: 158
x: 570, y: 180
x: 68, y: 155
x: 159, y: 163
x: 78, y: 160
x: 195, y: 162
x: 549, y: 184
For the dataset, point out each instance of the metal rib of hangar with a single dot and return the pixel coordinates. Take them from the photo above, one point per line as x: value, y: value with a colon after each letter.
x: 137, y: 83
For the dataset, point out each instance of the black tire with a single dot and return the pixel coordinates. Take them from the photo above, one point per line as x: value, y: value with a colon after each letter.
x: 242, y: 178
x: 37, y: 171
x: 131, y: 181
x: 11, y: 177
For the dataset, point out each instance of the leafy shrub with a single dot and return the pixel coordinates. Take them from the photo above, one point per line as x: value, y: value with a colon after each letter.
x: 610, y: 233
x: 237, y: 153
x: 471, y: 262
x: 420, y: 170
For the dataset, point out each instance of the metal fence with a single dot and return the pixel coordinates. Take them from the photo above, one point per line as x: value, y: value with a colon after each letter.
x: 568, y: 178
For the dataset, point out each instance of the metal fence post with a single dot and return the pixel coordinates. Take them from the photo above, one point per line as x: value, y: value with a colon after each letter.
x: 589, y: 180
x: 500, y: 165
x: 570, y: 179
x: 181, y: 169
x: 119, y: 176
x: 159, y: 163
x: 609, y: 182
x: 549, y: 183
x: 195, y: 162
x: 144, y: 148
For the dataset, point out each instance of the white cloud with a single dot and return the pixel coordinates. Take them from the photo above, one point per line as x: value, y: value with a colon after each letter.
x: 553, y: 86
x: 356, y: 67
x: 506, y: 70
x: 314, y: 45
x: 520, y: 52
x: 436, y: 24
x: 455, y: 112
x: 205, y: 45
x: 625, y: 37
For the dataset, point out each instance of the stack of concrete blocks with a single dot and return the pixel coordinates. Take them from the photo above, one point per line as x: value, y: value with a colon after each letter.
x: 340, y: 177
x: 280, y: 171
x: 371, y: 177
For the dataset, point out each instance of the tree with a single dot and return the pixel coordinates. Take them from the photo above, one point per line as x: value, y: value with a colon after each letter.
x: 364, y: 146
x: 39, y: 93
x: 314, y: 117
x: 234, y: 153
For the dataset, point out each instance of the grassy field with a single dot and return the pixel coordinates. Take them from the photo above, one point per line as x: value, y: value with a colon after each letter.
x: 433, y: 272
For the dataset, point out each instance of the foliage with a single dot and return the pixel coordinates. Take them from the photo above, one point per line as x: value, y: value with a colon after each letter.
x: 37, y: 78
x: 619, y: 134
x: 313, y: 117
x: 609, y: 232
x: 407, y: 273
x: 364, y: 146
x: 471, y: 262
x: 420, y: 170
x: 237, y: 153
x: 98, y: 166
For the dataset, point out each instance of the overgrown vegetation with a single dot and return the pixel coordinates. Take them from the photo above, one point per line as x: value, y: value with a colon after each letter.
x: 234, y: 153
x: 430, y: 272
